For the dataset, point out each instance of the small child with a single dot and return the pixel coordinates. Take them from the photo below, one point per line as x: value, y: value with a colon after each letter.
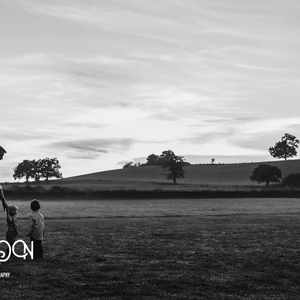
x: 11, y: 214
x: 36, y: 233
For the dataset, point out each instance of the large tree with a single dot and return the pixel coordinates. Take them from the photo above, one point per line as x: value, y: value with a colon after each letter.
x: 174, y: 164
x: 266, y: 173
x: 49, y: 168
x: 25, y: 169
x: 286, y: 147
x: 37, y: 169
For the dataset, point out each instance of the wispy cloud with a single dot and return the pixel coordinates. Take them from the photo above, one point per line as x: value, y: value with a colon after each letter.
x: 95, y: 145
x: 144, y: 76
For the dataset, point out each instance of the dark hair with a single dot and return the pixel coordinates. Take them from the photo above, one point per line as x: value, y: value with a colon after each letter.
x: 35, y: 205
x: 12, y: 210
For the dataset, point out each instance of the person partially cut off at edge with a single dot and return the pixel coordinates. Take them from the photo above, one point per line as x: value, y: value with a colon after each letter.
x: 11, y: 214
x: 37, y: 229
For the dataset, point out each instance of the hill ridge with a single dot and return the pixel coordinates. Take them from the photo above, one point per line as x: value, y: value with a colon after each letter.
x: 224, y: 174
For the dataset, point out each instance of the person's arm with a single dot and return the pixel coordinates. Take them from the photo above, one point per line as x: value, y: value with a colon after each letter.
x: 15, y: 226
x: 3, y: 200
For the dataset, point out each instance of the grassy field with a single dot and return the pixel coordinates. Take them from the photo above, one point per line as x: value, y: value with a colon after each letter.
x: 218, y: 174
x: 70, y: 270
x: 200, y: 181
x: 162, y: 249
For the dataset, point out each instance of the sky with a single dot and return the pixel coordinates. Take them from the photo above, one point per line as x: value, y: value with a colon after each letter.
x: 96, y: 83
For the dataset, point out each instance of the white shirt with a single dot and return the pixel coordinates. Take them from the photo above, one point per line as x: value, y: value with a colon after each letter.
x: 38, y: 225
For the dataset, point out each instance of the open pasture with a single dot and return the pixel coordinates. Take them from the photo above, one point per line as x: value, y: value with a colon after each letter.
x: 151, y: 177
x: 163, y: 249
x: 160, y: 207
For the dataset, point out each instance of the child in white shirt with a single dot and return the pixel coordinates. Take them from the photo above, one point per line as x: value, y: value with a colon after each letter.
x: 36, y: 233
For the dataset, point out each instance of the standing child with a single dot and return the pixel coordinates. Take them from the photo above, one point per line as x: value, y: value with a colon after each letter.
x: 36, y: 233
x: 11, y: 214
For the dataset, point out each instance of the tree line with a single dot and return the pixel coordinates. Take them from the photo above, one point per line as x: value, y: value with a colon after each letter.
x: 37, y: 169
x: 48, y: 168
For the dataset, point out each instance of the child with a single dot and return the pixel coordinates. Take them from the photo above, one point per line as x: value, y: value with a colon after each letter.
x: 36, y: 233
x: 11, y: 214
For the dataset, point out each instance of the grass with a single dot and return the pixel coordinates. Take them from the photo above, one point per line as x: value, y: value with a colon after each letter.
x: 206, y: 174
x: 70, y: 270
x: 237, y: 249
x: 199, y: 181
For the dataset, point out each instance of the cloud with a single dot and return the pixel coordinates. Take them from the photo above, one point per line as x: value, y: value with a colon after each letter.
x: 203, y: 138
x: 86, y: 155
x: 85, y: 124
x: 94, y: 147
x: 23, y: 136
x: 195, y: 76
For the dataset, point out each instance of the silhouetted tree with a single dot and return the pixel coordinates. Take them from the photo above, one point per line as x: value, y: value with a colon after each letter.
x: 213, y: 160
x: 25, y: 169
x: 37, y: 169
x: 128, y: 165
x: 286, y: 147
x: 153, y: 160
x: 266, y: 173
x: 2, y: 152
x: 174, y: 164
x: 49, y: 168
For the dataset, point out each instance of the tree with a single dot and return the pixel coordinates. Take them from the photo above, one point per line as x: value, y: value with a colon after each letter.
x: 286, y: 147
x: 174, y: 164
x: 37, y: 169
x: 128, y: 165
x: 2, y: 152
x: 153, y: 160
x: 266, y: 173
x: 25, y: 169
x: 48, y: 168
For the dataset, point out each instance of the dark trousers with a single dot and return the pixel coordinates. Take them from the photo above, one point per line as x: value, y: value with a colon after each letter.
x: 38, y: 252
x: 10, y: 238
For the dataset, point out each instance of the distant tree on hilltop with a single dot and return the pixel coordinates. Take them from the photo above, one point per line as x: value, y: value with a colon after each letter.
x: 174, y: 164
x: 266, y: 173
x: 153, y: 160
x: 128, y: 165
x: 132, y: 164
x: 159, y: 160
x: 286, y: 147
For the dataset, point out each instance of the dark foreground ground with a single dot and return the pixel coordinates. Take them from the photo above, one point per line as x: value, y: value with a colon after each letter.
x: 198, y: 257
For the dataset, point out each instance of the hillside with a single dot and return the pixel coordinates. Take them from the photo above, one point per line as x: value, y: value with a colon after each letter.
x: 219, y: 174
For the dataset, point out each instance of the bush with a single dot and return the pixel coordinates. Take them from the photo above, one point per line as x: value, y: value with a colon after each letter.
x: 266, y: 173
x: 292, y: 180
